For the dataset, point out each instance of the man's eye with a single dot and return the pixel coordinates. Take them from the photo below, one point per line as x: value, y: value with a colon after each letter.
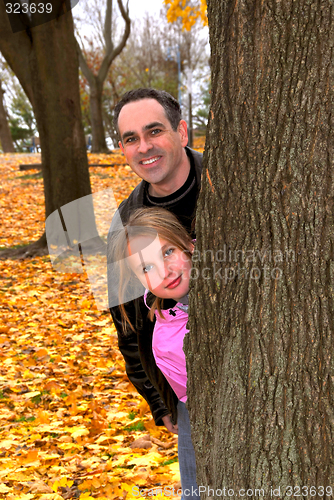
x: 155, y: 131
x: 129, y: 139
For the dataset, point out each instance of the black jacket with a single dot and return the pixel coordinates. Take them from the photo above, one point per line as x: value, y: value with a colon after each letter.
x: 136, y: 347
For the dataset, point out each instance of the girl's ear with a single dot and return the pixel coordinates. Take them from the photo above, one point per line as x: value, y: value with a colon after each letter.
x: 191, y: 248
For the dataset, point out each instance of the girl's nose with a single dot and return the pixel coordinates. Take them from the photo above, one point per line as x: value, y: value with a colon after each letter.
x: 164, y: 270
x: 156, y: 278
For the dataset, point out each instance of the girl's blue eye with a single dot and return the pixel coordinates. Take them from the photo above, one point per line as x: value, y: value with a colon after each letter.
x: 147, y: 268
x: 169, y: 251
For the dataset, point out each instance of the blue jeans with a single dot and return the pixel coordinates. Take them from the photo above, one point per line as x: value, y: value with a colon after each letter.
x: 186, y: 454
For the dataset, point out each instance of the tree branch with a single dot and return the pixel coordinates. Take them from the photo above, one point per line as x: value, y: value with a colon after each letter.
x: 107, y: 28
x: 110, y: 56
x: 88, y: 74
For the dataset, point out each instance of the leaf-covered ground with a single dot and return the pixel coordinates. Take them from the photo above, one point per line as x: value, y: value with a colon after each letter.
x: 71, y: 425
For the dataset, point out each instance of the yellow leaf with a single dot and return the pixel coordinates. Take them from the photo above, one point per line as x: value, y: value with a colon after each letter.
x: 7, y: 443
x: 96, y: 483
x: 42, y: 417
x: 86, y: 496
x: 4, y: 488
x: 103, y: 440
x: 30, y: 458
x: 15, y: 389
x: 63, y: 481
x: 29, y: 395
x: 80, y: 431
x: 24, y: 496
x: 20, y: 476
x: 69, y: 446
x: 50, y: 457
x: 39, y: 487
x: 55, y: 486
x: 175, y: 470
x: 51, y: 496
x: 102, y: 322
x: 41, y: 353
x: 85, y: 304
x: 146, y: 459
x: 53, y: 387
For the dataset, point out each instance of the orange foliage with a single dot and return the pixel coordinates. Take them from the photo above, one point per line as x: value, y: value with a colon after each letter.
x: 189, y: 12
x: 72, y: 426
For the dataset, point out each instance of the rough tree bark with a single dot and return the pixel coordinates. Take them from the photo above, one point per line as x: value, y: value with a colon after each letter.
x: 95, y: 82
x: 260, y: 348
x: 5, y: 135
x: 45, y: 60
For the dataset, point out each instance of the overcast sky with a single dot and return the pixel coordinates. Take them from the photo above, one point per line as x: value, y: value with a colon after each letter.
x: 138, y: 8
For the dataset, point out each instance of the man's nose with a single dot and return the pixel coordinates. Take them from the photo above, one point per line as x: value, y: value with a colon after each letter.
x: 144, y: 145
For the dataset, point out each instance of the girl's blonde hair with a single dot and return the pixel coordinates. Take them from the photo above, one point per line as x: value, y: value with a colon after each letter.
x: 146, y: 222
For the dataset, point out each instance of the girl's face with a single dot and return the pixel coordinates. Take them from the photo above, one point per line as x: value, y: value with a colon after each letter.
x: 160, y: 266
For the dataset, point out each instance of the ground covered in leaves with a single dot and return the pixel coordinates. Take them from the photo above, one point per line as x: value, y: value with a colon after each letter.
x: 71, y: 425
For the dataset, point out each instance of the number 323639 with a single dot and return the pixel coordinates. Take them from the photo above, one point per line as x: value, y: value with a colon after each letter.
x: 305, y: 491
x: 31, y: 8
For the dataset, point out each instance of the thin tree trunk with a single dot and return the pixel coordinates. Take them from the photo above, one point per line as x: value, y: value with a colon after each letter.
x: 5, y: 135
x: 96, y: 82
x: 260, y: 348
x: 99, y: 144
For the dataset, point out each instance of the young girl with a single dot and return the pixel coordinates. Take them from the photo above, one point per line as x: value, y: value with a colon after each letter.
x: 155, y: 249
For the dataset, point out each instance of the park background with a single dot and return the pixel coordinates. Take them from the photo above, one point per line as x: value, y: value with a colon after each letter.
x: 260, y: 342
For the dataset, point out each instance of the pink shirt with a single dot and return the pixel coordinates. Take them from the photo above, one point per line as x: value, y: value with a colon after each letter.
x: 167, y: 346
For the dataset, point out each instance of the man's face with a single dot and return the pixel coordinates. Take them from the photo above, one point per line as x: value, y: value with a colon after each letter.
x: 152, y: 148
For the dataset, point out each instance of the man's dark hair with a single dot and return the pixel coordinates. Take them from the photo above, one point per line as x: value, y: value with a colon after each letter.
x: 170, y: 105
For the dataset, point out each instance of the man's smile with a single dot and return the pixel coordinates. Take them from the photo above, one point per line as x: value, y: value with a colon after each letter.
x: 150, y: 160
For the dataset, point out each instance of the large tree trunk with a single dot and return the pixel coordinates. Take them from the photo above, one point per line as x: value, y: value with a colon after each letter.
x: 260, y: 348
x: 45, y: 60
x: 5, y: 135
x: 99, y: 144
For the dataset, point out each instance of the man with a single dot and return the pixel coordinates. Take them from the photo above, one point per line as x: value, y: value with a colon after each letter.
x: 153, y: 138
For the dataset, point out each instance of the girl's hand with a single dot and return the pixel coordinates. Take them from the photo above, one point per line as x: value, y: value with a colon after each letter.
x: 169, y: 425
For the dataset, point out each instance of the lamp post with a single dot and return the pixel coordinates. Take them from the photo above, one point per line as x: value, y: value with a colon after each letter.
x: 179, y: 74
x: 178, y: 61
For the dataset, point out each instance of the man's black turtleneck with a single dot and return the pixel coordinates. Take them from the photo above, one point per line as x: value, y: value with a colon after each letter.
x: 181, y: 203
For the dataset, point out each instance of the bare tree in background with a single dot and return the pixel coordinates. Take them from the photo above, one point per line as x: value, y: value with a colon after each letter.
x: 150, y: 60
x: 96, y: 81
